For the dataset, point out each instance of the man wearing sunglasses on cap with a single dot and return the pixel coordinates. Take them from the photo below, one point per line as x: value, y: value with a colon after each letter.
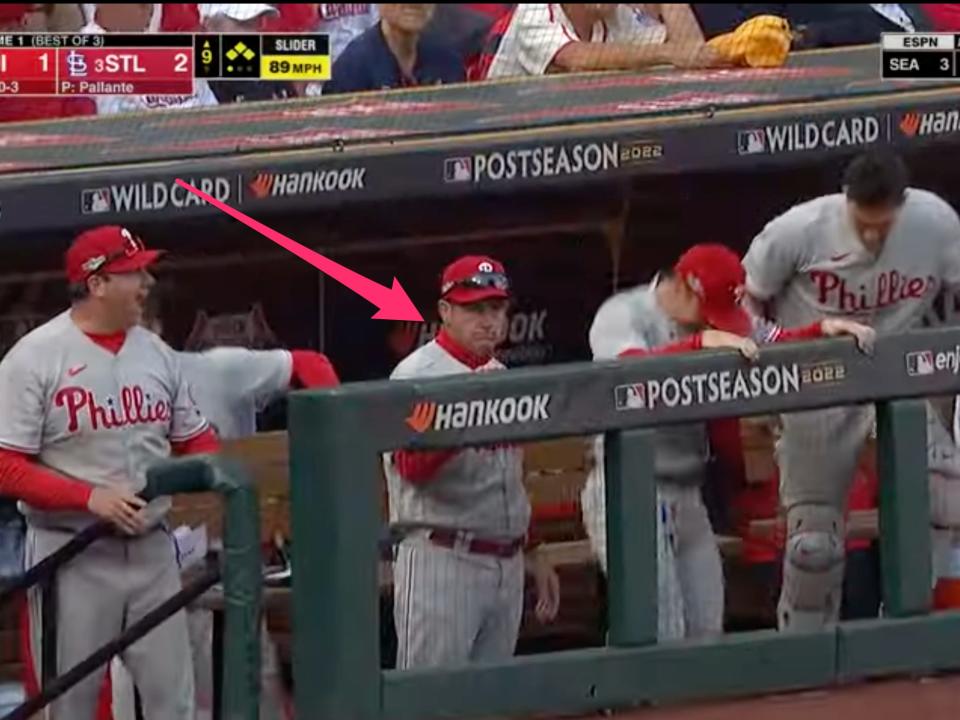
x: 90, y: 401
x: 463, y: 513
x: 694, y: 306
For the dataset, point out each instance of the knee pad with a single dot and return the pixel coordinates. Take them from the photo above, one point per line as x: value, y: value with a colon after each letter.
x: 813, y: 567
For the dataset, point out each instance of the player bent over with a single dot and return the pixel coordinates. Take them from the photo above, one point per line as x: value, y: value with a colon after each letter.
x: 459, y: 570
x: 93, y: 397
x: 878, y: 252
x: 697, y: 305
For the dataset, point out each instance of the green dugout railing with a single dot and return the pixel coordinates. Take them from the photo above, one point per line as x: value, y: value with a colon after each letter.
x: 239, y: 570
x: 336, y: 437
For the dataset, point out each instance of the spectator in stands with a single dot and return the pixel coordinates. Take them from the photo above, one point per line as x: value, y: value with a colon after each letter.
x: 396, y: 53
x: 467, y: 25
x: 234, y: 18
x: 146, y: 18
x: 541, y: 38
x: 343, y: 23
x: 53, y: 17
x: 29, y: 17
x: 818, y: 25
x: 943, y: 17
x: 180, y: 18
x: 242, y: 18
x: 122, y: 17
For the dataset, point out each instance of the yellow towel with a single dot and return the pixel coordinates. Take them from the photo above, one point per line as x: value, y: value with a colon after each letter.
x: 762, y: 41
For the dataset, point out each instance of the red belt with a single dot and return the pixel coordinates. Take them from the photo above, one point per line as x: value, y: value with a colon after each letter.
x: 478, y: 546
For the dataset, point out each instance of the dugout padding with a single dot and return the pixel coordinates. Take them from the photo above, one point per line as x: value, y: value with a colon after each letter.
x: 335, y: 438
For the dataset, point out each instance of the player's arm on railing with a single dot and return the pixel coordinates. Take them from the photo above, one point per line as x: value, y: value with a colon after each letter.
x: 704, y: 340
x: 864, y: 335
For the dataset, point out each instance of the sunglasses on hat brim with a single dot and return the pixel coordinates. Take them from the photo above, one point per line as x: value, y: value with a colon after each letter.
x: 131, y: 249
x: 479, y: 281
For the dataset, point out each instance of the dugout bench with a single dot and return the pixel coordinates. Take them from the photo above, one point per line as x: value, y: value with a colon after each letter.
x: 335, y: 440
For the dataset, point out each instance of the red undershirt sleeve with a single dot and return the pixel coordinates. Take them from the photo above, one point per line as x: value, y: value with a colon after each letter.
x: 689, y: 344
x: 312, y: 369
x: 812, y: 331
x: 205, y: 442
x: 420, y: 466
x: 24, y: 479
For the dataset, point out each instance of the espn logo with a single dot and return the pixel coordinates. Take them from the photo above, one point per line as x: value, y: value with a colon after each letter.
x: 458, y: 169
x: 437, y: 417
x: 630, y: 397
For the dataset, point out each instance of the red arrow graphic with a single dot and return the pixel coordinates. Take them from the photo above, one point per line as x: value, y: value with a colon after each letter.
x: 393, y: 302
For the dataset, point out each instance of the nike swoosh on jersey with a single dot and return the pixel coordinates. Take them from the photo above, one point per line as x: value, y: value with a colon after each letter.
x: 841, y: 256
x: 76, y: 370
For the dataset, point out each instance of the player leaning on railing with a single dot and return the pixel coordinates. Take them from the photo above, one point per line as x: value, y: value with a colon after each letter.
x: 881, y: 252
x: 695, y: 306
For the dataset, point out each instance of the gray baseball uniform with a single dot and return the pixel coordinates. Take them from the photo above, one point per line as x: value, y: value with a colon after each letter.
x: 230, y: 385
x: 452, y: 606
x: 809, y: 264
x: 943, y: 462
x: 690, y: 578
x: 103, y: 418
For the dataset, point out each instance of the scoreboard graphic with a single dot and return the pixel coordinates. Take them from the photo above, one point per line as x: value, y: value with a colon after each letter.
x: 920, y: 56
x: 44, y: 64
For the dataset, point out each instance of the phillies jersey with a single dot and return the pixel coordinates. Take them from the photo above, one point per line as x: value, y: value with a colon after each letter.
x: 87, y: 413
x: 480, y: 489
x: 633, y: 319
x: 810, y: 263
x: 232, y: 384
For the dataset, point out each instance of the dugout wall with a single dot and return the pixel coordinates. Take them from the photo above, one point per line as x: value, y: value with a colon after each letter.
x: 335, y: 439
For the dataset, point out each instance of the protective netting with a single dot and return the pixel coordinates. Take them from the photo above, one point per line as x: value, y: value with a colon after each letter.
x: 525, y: 66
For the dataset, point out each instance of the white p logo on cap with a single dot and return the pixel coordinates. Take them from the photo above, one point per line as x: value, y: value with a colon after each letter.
x: 485, y: 267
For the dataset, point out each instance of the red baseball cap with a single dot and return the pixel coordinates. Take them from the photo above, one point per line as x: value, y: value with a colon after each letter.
x: 108, y: 248
x: 716, y: 275
x: 473, y: 278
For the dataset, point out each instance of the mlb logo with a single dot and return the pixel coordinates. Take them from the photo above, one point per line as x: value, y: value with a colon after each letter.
x: 95, y: 201
x: 456, y: 170
x: 630, y: 397
x: 920, y: 363
x: 751, y: 142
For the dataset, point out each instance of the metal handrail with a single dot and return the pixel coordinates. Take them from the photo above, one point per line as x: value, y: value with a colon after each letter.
x: 57, y: 686
x: 195, y: 474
